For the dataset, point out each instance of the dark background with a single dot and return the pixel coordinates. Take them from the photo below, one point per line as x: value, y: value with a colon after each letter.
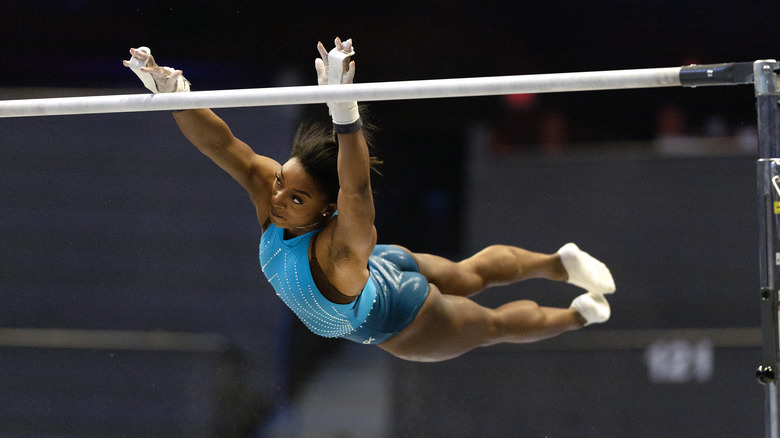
x: 114, y: 223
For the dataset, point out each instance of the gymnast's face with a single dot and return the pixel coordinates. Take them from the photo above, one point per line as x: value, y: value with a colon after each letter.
x: 297, y: 202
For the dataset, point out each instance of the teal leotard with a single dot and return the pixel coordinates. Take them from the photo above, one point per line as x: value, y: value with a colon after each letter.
x: 392, y: 297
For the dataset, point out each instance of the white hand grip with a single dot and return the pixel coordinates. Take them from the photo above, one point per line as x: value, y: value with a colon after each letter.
x: 336, y: 65
x: 146, y: 78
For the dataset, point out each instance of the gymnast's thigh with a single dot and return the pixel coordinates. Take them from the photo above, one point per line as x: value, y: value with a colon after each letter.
x: 445, y: 327
x: 450, y: 277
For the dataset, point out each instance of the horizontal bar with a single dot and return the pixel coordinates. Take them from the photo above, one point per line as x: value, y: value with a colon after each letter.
x: 376, y: 91
x: 729, y: 73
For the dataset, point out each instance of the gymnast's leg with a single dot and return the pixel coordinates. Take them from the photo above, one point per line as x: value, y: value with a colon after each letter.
x: 501, y: 264
x: 450, y: 325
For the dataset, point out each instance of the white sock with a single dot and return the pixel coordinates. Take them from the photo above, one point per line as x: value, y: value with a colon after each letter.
x: 585, y: 271
x: 593, y: 307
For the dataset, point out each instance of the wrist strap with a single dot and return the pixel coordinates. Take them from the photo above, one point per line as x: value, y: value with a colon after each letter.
x: 349, y: 128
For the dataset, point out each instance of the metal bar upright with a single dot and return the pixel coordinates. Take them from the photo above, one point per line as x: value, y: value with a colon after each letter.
x: 768, y: 108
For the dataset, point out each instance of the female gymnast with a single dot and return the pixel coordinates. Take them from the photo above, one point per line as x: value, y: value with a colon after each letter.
x: 319, y: 249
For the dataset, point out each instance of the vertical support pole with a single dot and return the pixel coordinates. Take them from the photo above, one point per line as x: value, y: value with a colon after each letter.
x: 768, y: 107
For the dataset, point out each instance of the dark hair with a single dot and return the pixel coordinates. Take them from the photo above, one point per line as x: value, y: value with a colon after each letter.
x: 316, y: 147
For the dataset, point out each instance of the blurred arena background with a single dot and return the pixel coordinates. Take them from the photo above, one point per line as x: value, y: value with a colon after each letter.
x: 132, y: 300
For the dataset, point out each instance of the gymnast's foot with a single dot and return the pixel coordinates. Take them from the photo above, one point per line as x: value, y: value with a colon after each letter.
x: 593, y: 307
x: 585, y: 271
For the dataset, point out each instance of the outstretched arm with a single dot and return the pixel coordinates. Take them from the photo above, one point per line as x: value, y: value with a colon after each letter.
x: 209, y: 133
x: 356, y: 203
x: 354, y: 230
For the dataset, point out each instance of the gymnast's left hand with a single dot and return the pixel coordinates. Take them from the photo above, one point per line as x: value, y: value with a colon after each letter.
x: 348, y: 67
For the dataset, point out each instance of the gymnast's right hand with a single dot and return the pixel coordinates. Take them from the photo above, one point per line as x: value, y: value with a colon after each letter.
x: 157, y: 79
x: 322, y: 65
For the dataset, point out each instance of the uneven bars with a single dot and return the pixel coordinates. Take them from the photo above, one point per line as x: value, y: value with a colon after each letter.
x: 364, y: 92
